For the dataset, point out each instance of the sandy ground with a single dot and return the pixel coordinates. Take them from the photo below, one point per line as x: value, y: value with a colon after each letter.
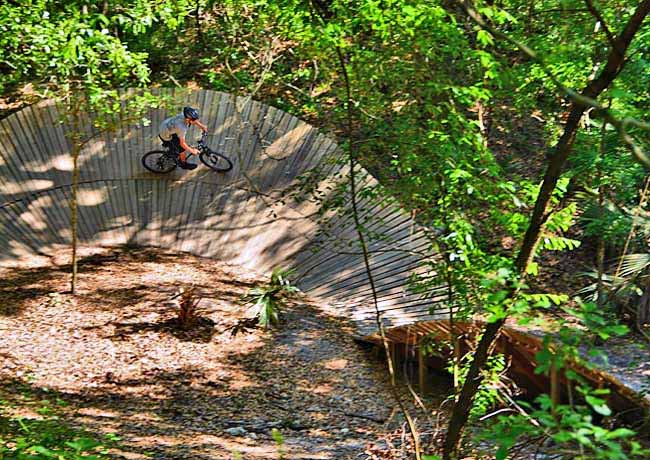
x: 117, y: 357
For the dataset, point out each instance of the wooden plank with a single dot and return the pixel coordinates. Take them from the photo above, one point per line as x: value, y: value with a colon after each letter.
x: 186, y: 225
x: 171, y: 196
x: 257, y: 118
x: 15, y: 245
x: 133, y: 202
x: 54, y: 151
x: 113, y: 228
x: 21, y: 232
x: 273, y: 157
x: 242, y: 151
x: 233, y: 216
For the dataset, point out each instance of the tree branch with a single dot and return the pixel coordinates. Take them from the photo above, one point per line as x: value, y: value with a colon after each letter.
x: 596, y: 14
x: 586, y: 98
x: 613, y: 66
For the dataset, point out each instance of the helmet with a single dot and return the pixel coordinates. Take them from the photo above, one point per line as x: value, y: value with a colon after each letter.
x: 191, y: 113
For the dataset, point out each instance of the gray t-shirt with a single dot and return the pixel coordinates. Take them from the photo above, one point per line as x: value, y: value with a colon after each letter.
x: 174, y: 125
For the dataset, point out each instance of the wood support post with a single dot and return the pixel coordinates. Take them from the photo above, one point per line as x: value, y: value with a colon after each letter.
x: 422, y: 371
x: 393, y: 356
x: 456, y: 365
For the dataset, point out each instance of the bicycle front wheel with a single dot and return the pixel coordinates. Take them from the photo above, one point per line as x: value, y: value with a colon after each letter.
x: 158, y: 161
x: 216, y: 161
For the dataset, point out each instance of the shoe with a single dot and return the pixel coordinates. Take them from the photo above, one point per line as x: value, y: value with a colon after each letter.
x: 186, y: 165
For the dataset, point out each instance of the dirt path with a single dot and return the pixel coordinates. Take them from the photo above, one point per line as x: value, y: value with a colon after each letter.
x: 123, y: 368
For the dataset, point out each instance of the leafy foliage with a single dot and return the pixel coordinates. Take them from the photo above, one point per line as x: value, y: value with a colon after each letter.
x: 570, y: 426
x: 494, y: 382
x: 47, y: 437
x: 268, y: 300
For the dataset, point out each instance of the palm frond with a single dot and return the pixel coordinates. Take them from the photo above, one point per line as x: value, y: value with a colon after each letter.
x: 634, y: 265
x: 268, y: 299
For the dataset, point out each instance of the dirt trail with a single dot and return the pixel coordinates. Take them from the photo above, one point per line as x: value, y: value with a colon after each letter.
x: 114, y: 355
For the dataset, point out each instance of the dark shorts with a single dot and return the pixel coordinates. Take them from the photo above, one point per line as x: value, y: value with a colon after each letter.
x: 174, y: 144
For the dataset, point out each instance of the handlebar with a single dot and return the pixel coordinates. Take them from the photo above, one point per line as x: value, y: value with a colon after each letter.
x: 204, y: 136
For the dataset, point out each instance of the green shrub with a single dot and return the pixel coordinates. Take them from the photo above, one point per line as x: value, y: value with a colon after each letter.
x: 268, y: 299
x: 47, y: 437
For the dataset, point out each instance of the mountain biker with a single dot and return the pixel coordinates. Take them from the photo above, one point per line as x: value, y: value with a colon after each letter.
x: 172, y: 134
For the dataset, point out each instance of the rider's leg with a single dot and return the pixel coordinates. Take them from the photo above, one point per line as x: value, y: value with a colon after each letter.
x: 175, y: 143
x: 182, y: 160
x: 182, y: 154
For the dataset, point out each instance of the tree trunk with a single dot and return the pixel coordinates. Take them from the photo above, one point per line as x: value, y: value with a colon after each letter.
x: 615, y: 63
x: 76, y: 147
x: 600, y: 250
x: 455, y: 345
x: 643, y: 310
x: 197, y: 12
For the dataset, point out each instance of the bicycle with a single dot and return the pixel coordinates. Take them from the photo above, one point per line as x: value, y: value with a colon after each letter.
x: 164, y: 161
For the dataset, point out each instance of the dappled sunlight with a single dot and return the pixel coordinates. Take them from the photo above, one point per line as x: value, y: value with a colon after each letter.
x: 284, y: 146
x: 19, y: 255
x: 319, y: 389
x: 230, y: 123
x: 65, y: 234
x: 61, y: 163
x: 241, y: 216
x: 9, y: 187
x: 336, y: 364
x: 86, y: 197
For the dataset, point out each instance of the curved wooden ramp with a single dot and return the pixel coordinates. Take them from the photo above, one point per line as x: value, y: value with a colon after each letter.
x: 247, y: 216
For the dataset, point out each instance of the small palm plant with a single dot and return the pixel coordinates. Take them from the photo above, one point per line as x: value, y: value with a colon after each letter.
x: 188, y: 311
x: 267, y: 300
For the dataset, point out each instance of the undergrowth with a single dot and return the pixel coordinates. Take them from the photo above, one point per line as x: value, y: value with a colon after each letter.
x: 31, y: 429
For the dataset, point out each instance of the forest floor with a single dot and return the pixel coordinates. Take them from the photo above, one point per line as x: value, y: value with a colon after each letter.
x: 115, y: 362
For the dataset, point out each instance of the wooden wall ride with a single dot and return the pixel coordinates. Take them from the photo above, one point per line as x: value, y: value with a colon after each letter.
x: 236, y: 216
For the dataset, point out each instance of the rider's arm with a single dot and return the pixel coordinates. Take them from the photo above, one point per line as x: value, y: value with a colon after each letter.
x: 202, y: 126
x: 187, y: 147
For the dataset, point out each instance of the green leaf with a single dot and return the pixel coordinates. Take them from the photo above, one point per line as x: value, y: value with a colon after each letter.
x: 599, y: 405
x: 44, y: 451
x: 484, y: 38
x: 502, y: 453
x: 620, y: 433
x: 83, y: 444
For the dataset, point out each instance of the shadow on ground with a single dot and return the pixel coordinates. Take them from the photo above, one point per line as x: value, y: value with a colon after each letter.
x: 115, y: 355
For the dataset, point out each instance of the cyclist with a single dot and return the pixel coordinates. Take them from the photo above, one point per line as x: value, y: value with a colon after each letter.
x: 172, y: 134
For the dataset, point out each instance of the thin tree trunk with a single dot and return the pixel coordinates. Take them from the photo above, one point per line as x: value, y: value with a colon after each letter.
x: 615, y: 63
x: 197, y: 12
x: 76, y: 147
x: 643, y: 310
x: 600, y: 250
x: 324, y: 13
x: 452, y: 332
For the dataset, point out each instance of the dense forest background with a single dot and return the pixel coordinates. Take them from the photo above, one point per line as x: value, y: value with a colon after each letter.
x: 514, y: 131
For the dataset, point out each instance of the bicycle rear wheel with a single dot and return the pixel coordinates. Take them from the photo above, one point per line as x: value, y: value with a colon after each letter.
x: 216, y: 161
x: 159, y: 161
